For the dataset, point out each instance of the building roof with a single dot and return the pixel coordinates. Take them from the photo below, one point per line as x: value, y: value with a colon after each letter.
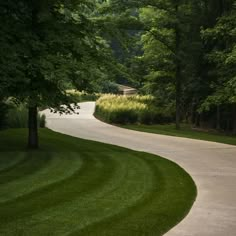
x: 125, y: 88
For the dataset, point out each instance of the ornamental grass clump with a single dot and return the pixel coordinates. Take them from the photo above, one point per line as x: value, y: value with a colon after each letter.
x: 17, y: 117
x: 122, y: 109
x: 133, y: 109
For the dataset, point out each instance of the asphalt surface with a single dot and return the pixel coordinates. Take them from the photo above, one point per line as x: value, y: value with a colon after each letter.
x: 211, y: 165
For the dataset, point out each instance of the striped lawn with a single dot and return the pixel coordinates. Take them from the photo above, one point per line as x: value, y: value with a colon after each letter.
x: 75, y: 187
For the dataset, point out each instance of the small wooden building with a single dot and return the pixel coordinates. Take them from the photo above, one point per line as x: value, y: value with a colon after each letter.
x: 125, y: 90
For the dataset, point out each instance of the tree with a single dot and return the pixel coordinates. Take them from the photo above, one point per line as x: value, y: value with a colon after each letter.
x: 45, y: 45
x: 164, y: 44
x: 185, y: 56
x: 221, y: 42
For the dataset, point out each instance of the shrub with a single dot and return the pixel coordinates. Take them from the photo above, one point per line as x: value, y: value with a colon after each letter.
x: 109, y: 87
x: 17, y: 117
x: 3, y: 114
x: 83, y: 96
x: 123, y: 116
x: 130, y: 109
x: 148, y: 116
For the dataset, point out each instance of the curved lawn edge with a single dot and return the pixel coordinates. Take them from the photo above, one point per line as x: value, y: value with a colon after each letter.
x: 89, y: 230
x: 168, y: 197
x: 180, y: 218
x: 158, y: 223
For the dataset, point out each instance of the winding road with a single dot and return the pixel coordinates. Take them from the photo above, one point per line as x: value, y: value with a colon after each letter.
x: 211, y: 165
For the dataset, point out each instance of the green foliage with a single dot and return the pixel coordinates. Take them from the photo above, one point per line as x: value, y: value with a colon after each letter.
x: 109, y: 87
x: 17, y: 117
x: 131, y: 109
x: 185, y: 54
x: 60, y: 46
x: 3, y: 114
x: 167, y: 51
x: 83, y: 96
x: 181, y: 52
x: 47, y: 47
x: 222, y: 39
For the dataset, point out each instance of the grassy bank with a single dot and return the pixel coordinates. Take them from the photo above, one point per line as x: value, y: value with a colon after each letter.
x: 186, y: 131
x: 77, y: 187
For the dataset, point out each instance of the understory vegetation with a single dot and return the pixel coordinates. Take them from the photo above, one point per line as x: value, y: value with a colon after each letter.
x: 81, y: 96
x: 133, y: 109
x: 72, y: 186
x: 16, y: 116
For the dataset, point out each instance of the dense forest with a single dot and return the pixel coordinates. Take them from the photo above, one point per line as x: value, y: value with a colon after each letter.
x: 183, y: 52
x: 185, y: 55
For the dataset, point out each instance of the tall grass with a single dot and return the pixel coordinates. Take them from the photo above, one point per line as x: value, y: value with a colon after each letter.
x: 130, y: 109
x: 3, y: 114
x: 17, y: 117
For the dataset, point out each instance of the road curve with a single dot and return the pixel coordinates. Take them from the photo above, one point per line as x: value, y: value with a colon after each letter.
x: 211, y: 165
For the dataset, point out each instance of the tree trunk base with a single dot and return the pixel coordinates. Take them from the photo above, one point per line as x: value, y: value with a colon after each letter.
x: 33, y: 128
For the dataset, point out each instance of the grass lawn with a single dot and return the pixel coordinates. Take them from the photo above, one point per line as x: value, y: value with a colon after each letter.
x: 76, y: 187
x: 185, y: 131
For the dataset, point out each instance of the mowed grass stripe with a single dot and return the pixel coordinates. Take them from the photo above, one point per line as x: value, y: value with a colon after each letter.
x: 21, y: 159
x: 115, y: 192
x: 155, y: 211
x: 57, y: 169
x: 88, y: 178
x: 135, y: 180
x: 30, y: 164
x: 10, y: 160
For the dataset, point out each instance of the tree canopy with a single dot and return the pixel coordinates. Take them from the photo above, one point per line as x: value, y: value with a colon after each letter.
x: 186, y: 58
x: 44, y: 46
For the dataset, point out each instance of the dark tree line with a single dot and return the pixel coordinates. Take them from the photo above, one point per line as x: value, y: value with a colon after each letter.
x: 186, y: 58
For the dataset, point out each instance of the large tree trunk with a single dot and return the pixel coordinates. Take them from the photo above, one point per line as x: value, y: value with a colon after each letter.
x: 178, y: 74
x: 33, y: 110
x: 193, y: 113
x: 178, y: 98
x: 218, y: 118
x: 198, y: 120
x: 234, y: 118
x: 33, y: 127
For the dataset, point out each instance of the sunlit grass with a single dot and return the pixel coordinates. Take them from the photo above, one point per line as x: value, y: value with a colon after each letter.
x: 133, y: 109
x: 72, y: 186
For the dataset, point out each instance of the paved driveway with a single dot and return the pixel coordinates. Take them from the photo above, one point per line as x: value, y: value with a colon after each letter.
x: 212, y: 166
